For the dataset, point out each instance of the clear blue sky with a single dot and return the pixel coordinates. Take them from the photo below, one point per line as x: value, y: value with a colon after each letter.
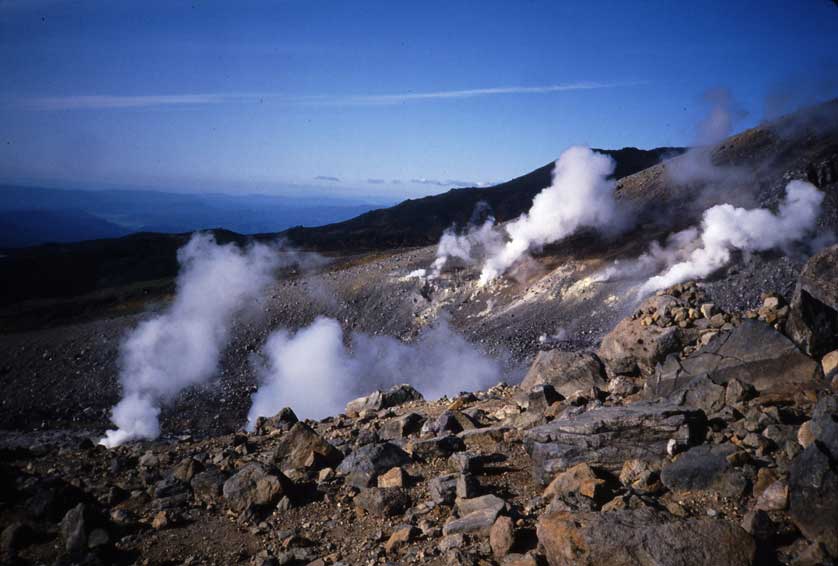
x: 388, y: 98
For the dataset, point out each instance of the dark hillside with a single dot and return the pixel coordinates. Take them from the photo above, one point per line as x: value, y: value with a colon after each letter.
x: 419, y: 222
x: 70, y: 270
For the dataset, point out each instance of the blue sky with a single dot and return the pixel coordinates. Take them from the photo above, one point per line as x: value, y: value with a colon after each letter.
x: 391, y: 99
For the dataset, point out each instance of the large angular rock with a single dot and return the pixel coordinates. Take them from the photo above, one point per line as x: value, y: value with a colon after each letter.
x: 75, y: 527
x: 437, y: 447
x: 824, y: 425
x: 301, y: 447
x: 642, y: 537
x: 608, y: 436
x: 443, y: 489
x: 813, y: 496
x: 813, y: 320
x: 567, y: 372
x: 255, y: 486
x: 282, y: 421
x: 382, y: 502
x: 396, y: 395
x: 400, y: 427
x: 631, y: 347
x: 705, y: 468
x: 363, y: 466
x: 752, y: 353
x: 700, y: 393
x: 477, y: 515
x: 449, y: 421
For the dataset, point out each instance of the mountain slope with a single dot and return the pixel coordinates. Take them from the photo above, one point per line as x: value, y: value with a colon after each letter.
x: 75, y: 269
x: 32, y: 227
x: 418, y: 222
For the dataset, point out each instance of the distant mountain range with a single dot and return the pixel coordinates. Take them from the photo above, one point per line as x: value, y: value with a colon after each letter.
x: 67, y: 270
x: 35, y: 215
x: 418, y: 222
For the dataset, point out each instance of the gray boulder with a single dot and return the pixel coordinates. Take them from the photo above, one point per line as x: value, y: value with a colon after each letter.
x: 701, y: 393
x: 301, y: 447
x: 255, y: 486
x: 282, y: 421
x: 396, y: 395
x: 400, y: 427
x: 443, y: 489
x: 382, y: 502
x: 824, y: 425
x: 567, y: 372
x: 631, y: 347
x: 437, y: 447
x: 477, y: 515
x: 363, y: 466
x: 752, y: 353
x: 641, y: 537
x: 813, y: 320
x: 705, y: 468
x: 813, y: 497
x: 607, y: 437
x: 75, y: 527
x: 207, y: 485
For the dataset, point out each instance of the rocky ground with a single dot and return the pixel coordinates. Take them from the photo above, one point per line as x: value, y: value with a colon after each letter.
x: 693, y: 435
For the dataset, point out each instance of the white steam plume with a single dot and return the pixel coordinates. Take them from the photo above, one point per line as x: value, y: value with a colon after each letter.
x: 581, y: 196
x: 725, y: 228
x: 313, y: 372
x: 181, y: 347
x: 696, y: 165
x: 658, y: 257
x: 477, y: 241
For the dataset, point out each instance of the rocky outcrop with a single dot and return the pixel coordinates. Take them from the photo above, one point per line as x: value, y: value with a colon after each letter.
x: 567, y: 372
x: 606, y: 437
x: 705, y: 468
x: 632, y: 347
x: 396, y: 395
x: 813, y: 479
x: 752, y: 353
x: 365, y: 464
x: 302, y: 448
x: 642, y: 537
x: 813, y: 321
x: 254, y: 487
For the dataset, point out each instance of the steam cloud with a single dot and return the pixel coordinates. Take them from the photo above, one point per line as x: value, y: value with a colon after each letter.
x: 316, y: 374
x: 181, y: 346
x: 725, y: 228
x: 696, y: 165
x: 582, y: 195
x: 477, y: 241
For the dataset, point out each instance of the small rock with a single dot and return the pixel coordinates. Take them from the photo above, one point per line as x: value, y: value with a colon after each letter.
x: 393, y: 478
x: 382, y: 502
x: 774, y: 498
x: 579, y: 479
x: 402, y: 536
x: 74, y: 529
x: 161, y: 520
x: 502, y: 537
x: 443, y: 489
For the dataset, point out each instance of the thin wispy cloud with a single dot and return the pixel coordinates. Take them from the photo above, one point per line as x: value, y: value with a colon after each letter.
x: 92, y: 102
x: 327, y: 178
x: 389, y: 99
